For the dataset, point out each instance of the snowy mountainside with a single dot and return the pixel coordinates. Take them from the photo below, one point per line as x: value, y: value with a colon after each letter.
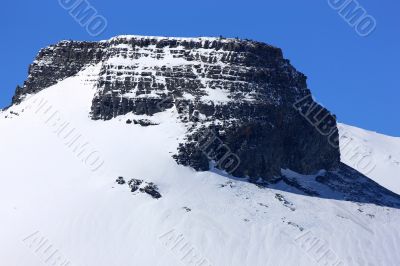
x: 49, y: 193
x: 80, y: 191
x: 375, y: 155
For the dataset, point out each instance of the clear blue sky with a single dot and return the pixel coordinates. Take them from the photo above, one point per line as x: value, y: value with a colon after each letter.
x: 357, y: 78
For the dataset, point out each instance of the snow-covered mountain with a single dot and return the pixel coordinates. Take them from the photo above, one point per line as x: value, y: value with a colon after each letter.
x: 94, y: 174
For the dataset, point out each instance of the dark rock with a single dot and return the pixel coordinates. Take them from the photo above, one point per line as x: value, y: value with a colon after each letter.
x: 144, y: 122
x: 134, y: 184
x: 120, y: 180
x: 255, y: 131
x: 152, y: 190
x: 296, y: 225
x: 187, y: 209
x: 284, y: 201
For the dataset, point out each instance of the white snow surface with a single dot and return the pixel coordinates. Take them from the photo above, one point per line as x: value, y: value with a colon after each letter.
x: 52, y: 202
x: 375, y: 155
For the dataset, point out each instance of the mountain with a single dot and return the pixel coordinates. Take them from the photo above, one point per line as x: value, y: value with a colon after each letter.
x: 243, y: 91
x: 183, y: 151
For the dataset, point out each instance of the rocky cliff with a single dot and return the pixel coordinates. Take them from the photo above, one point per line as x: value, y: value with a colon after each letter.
x: 234, y: 96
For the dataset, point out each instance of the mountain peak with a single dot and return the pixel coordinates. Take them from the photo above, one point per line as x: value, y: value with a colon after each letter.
x: 242, y: 90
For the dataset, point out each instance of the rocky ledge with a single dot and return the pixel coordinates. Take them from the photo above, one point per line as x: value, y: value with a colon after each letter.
x: 235, y: 97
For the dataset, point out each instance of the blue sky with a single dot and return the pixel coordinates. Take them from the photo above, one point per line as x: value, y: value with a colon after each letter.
x: 355, y: 77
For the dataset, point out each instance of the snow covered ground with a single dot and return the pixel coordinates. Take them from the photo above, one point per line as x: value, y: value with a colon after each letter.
x: 375, y: 155
x: 60, y: 204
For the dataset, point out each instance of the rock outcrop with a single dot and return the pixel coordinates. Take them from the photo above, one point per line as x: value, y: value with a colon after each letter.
x: 235, y: 97
x: 56, y: 63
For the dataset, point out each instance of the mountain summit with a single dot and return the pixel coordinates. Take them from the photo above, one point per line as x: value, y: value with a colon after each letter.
x: 186, y: 151
x: 242, y: 90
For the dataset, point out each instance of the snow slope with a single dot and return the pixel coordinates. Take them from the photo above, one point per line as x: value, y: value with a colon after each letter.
x: 375, y: 155
x: 60, y: 206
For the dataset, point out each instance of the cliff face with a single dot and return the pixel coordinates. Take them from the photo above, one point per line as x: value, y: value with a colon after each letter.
x: 239, y: 92
x: 56, y: 63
